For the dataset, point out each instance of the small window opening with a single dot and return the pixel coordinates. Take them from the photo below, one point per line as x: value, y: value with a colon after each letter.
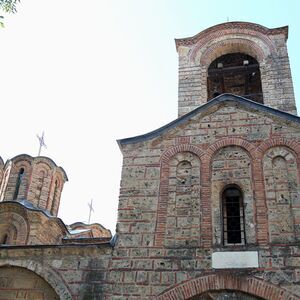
x: 18, y: 183
x: 4, y: 240
x: 233, y: 217
x: 54, y: 197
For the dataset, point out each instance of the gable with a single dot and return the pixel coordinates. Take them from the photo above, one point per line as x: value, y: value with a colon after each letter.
x: 225, y: 115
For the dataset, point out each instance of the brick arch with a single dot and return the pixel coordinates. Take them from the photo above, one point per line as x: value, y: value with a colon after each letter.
x: 164, y: 187
x: 217, y: 282
x: 292, y: 145
x: 19, y: 223
x: 275, y: 142
x: 215, y: 147
x: 54, y: 194
x: 257, y: 179
x: 170, y: 152
x: 230, y: 46
x: 247, y: 36
x: 53, y: 278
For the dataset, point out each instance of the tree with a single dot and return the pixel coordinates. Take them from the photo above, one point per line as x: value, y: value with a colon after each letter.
x: 8, y: 6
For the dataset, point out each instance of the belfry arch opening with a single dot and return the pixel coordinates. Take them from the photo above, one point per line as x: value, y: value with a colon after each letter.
x: 235, y: 73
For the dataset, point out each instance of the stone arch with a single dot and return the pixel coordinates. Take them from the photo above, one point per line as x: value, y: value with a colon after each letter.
x: 40, y: 184
x: 248, y: 147
x: 249, y: 41
x: 231, y: 46
x: 205, y: 195
x: 54, y: 195
x: 164, y: 186
x: 280, y: 141
x: 292, y: 145
x: 18, y: 163
x: 180, y: 148
x: 17, y: 282
x: 13, y: 223
x: 53, y: 278
x: 231, y: 165
x: 233, y: 36
x: 5, y: 179
x: 282, y: 194
x: 257, y: 179
x: 217, y: 282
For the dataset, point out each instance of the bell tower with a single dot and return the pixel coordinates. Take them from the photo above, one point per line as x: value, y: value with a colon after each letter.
x: 240, y: 58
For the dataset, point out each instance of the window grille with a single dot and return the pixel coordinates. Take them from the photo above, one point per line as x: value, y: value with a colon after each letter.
x: 233, y: 217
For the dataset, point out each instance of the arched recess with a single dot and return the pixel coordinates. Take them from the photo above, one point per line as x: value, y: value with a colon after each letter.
x: 16, y: 281
x: 15, y: 227
x: 258, y: 48
x: 235, y: 73
x: 232, y: 166
x: 51, y: 277
x: 206, y: 192
x: 282, y: 194
x: 19, y: 179
x: 218, y: 282
x: 40, y: 184
x: 231, y: 45
x: 178, y: 211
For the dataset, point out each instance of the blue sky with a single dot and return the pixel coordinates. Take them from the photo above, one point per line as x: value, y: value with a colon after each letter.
x: 88, y: 74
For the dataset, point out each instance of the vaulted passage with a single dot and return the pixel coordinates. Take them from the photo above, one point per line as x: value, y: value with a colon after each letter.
x: 224, y: 295
x: 235, y: 73
x: 20, y: 283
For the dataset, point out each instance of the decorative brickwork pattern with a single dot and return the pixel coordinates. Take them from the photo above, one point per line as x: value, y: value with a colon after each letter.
x: 13, y: 228
x: 214, y: 282
x: 40, y: 182
x: 267, y: 46
x: 282, y: 193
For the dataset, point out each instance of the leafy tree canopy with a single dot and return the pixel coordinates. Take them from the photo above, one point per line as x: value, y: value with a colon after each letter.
x: 8, y: 6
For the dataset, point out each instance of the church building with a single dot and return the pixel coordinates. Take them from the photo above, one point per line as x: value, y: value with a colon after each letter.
x: 209, y: 205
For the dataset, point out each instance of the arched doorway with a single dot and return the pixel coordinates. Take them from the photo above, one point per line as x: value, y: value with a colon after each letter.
x: 218, y: 284
x: 20, y: 283
x: 235, y: 73
x: 225, y: 295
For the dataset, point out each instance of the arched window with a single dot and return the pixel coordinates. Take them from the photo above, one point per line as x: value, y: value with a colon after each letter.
x: 54, y: 198
x: 235, y: 73
x: 18, y: 183
x: 4, y: 239
x: 40, y: 184
x: 233, y: 216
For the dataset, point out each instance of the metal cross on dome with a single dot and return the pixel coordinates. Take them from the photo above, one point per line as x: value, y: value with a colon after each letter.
x: 42, y: 143
x: 91, y: 209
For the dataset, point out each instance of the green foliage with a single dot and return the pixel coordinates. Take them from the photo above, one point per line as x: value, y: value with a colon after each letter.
x: 9, y: 6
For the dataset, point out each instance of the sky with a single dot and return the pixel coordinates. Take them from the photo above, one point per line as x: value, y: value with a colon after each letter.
x: 91, y: 72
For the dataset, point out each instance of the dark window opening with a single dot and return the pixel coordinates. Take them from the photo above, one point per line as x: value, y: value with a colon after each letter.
x: 18, y: 183
x: 233, y: 217
x: 55, y: 194
x: 4, y: 240
x: 235, y: 73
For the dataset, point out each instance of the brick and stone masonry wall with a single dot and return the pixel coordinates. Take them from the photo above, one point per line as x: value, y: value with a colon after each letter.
x: 41, y: 184
x: 267, y: 46
x: 169, y: 206
x: 45, y: 272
